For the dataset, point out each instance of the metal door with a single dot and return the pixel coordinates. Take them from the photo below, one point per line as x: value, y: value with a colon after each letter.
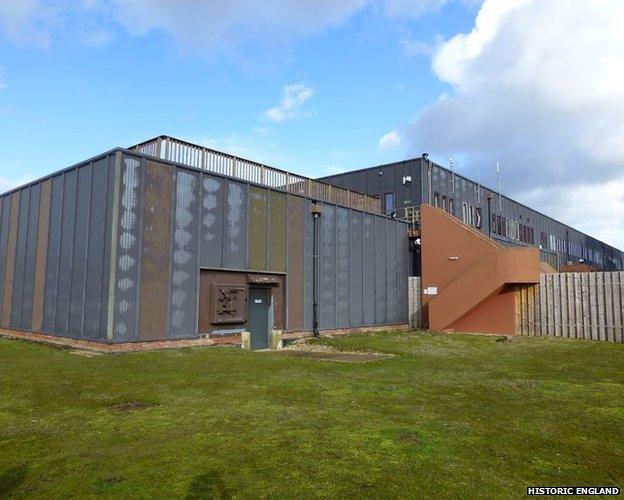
x: 258, y: 318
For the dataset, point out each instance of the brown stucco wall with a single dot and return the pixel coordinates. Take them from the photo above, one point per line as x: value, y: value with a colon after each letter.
x: 471, y: 274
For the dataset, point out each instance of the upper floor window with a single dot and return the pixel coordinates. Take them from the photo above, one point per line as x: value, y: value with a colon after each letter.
x: 389, y: 201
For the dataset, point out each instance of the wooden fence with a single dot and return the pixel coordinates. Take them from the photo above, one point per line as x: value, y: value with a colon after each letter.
x: 575, y: 305
x: 414, y: 302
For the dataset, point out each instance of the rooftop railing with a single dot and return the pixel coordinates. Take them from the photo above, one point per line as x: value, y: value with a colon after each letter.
x: 193, y: 155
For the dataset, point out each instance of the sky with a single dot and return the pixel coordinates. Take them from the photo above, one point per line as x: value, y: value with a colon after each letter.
x: 318, y: 87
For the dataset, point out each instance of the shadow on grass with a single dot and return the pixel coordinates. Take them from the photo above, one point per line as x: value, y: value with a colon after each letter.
x: 12, y: 478
x: 207, y: 485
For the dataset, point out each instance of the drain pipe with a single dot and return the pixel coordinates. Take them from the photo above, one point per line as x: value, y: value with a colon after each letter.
x: 316, y: 214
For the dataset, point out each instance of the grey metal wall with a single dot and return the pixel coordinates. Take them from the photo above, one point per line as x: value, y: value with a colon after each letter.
x: 53, y: 252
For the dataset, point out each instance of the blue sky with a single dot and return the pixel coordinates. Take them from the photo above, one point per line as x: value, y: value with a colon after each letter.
x: 318, y: 87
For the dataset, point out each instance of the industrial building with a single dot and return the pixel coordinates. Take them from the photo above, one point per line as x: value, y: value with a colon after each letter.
x: 404, y: 186
x: 169, y: 240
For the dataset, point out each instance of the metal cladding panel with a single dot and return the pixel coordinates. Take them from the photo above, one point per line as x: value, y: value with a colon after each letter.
x: 5, y: 208
x: 342, y: 267
x: 328, y: 268
x: 356, y: 269
x: 308, y: 227
x: 402, y: 243
x: 155, y: 252
x: 96, y: 286
x: 42, y: 254
x: 277, y: 231
x: 212, y: 218
x: 257, y: 228
x: 9, y: 275
x: 235, y: 233
x: 52, y: 265
x: 368, y: 260
x: 20, y: 258
x: 110, y: 246
x: 79, y: 252
x: 381, y: 290
x: 391, y: 272
x: 295, y: 280
x: 30, y: 259
x: 65, y: 255
x: 185, y: 265
x: 127, y: 264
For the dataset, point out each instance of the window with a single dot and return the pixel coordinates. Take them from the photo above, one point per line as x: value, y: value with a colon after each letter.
x: 493, y: 224
x: 436, y: 199
x: 499, y: 225
x: 444, y: 203
x: 451, y: 211
x: 471, y: 213
x: 478, y: 219
x: 389, y: 200
x: 465, y: 218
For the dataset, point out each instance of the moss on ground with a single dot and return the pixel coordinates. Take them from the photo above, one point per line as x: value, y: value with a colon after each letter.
x: 448, y: 415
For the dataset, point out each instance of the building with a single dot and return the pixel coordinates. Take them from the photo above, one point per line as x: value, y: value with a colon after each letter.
x: 169, y: 240
x: 406, y: 185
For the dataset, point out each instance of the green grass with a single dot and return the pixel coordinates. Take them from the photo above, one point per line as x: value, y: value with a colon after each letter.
x: 450, y: 415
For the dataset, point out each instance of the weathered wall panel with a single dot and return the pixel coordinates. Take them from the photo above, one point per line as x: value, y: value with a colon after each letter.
x: 403, y: 271
x: 258, y: 208
x: 369, y: 270
x: 42, y: 254
x: 342, y: 267
x: 308, y: 226
x: 328, y: 268
x: 381, y: 285
x: 52, y: 266
x: 10, y: 259
x: 212, y: 221
x: 30, y: 259
x: 5, y: 215
x: 79, y: 251
x: 63, y: 289
x: 20, y: 258
x: 392, y: 307
x: 356, y: 269
x: 295, y: 281
x: 277, y: 231
x: 185, y: 263
x: 96, y: 286
x: 155, y: 251
x: 128, y: 244
x: 235, y: 233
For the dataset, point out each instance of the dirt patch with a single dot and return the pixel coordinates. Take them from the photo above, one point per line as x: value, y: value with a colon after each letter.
x: 327, y: 353
x: 86, y: 354
x: 409, y: 438
x: 130, y: 406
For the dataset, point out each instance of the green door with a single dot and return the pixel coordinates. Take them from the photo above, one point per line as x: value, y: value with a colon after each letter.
x: 258, y: 318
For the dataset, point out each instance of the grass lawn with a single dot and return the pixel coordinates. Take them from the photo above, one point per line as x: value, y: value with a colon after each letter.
x: 449, y: 415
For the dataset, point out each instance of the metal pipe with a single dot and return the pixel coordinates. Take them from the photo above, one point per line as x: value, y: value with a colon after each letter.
x: 316, y: 214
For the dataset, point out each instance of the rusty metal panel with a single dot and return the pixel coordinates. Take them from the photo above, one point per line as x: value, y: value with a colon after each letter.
x: 257, y: 228
x: 235, y: 231
x: 10, y: 260
x: 295, y: 278
x: 392, y: 306
x: 327, y: 279
x: 52, y: 265
x: 356, y: 269
x: 155, y: 251
x: 63, y: 290
x: 212, y: 216
x: 381, y: 291
x: 42, y: 255
x: 20, y: 258
x: 277, y: 231
x: 368, y: 283
x: 79, y: 250
x: 30, y: 256
x: 127, y: 273
x: 185, y: 265
x: 95, y: 291
x: 342, y: 267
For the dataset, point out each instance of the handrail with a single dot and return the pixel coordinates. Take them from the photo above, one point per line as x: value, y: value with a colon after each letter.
x: 193, y: 155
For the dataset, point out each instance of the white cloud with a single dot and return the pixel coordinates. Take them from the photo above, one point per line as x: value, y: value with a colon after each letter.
x: 293, y: 98
x: 390, y: 140
x: 3, y: 85
x: 539, y: 86
x: 8, y: 184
